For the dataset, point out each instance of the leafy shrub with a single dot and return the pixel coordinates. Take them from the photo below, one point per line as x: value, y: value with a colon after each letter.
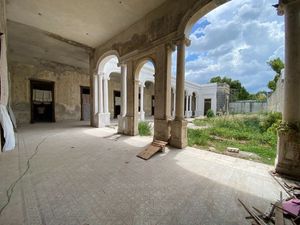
x: 144, y: 128
x: 210, y: 113
x: 269, y: 120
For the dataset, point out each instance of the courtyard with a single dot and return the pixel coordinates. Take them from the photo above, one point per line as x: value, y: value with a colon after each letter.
x: 83, y: 175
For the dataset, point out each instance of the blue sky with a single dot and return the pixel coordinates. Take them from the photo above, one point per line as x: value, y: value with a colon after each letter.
x: 236, y: 40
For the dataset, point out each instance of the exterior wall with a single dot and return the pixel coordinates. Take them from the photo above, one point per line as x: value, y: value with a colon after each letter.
x: 207, y: 91
x: 223, y: 93
x: 66, y: 90
x: 275, y: 100
x: 249, y: 106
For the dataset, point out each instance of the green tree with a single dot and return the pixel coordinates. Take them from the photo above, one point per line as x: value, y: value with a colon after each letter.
x: 277, y: 65
x: 238, y: 92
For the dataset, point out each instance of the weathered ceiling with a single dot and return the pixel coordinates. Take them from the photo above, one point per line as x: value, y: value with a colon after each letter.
x: 90, y: 22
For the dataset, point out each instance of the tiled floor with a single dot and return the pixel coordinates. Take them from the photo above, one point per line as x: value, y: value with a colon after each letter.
x: 82, y: 175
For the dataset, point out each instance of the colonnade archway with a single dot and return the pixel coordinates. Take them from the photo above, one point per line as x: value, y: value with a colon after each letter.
x: 288, y: 148
x: 158, y: 46
x: 146, y: 100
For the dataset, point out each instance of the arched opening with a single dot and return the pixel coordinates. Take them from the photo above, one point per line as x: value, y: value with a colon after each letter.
x: 108, y: 91
x: 214, y: 97
x: 145, y: 76
x: 145, y: 100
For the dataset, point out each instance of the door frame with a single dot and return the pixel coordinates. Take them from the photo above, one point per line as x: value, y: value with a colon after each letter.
x: 114, y: 96
x: 81, y: 100
x: 39, y: 82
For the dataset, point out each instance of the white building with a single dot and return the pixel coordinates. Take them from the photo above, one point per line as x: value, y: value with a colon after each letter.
x: 199, y: 98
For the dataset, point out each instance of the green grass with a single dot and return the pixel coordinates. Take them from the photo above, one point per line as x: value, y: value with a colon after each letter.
x: 249, y: 133
x: 144, y: 128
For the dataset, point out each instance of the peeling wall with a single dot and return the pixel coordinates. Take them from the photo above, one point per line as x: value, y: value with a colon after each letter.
x: 33, y: 54
x: 66, y: 89
x: 3, y: 57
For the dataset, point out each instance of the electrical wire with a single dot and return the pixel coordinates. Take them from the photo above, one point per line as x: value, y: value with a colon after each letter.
x: 10, y: 190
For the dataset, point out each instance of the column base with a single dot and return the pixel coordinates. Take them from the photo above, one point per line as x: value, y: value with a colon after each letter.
x: 103, y: 119
x: 178, y: 133
x: 162, y: 130
x: 142, y: 116
x: 121, y: 124
x: 288, y: 154
x: 188, y: 114
x: 173, y: 113
x: 131, y: 127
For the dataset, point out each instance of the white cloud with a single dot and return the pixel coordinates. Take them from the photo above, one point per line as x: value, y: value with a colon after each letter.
x: 240, y: 38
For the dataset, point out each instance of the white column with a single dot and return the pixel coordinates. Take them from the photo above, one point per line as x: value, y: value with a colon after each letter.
x: 190, y: 98
x: 106, y: 95
x: 100, y: 94
x: 123, y: 91
x: 180, y: 77
x: 95, y: 94
x: 142, y: 113
x: 288, y: 148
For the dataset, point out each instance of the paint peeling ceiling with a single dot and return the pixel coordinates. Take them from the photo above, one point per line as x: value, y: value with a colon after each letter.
x: 90, y: 22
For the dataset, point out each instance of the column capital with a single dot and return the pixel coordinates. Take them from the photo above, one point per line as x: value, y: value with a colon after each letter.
x: 183, y: 41
x: 281, y: 4
x: 100, y: 74
x: 171, y: 45
x: 142, y: 83
x: 120, y: 64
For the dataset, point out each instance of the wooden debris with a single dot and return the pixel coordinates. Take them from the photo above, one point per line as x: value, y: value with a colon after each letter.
x: 278, y: 214
x: 156, y: 146
x: 253, y: 214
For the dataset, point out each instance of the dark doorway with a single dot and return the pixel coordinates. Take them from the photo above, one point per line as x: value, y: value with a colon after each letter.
x: 42, y: 101
x: 85, y: 103
x: 207, y: 105
x: 193, y: 104
x: 117, y: 103
x: 152, y: 105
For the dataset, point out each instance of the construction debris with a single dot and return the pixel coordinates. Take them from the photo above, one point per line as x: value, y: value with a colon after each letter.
x: 154, y: 147
x: 284, y: 211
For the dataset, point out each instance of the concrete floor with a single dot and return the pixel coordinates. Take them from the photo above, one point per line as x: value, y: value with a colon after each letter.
x: 83, y: 175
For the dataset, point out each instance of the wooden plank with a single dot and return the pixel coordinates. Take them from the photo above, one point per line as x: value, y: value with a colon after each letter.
x: 155, y: 147
x: 279, y: 214
x: 149, y: 152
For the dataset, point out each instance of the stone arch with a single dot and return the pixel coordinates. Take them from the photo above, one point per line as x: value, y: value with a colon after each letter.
x: 195, y: 13
x: 140, y: 64
x: 107, y: 64
x: 104, y: 58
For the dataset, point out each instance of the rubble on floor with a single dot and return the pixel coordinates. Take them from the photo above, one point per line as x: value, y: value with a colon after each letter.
x: 284, y: 211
